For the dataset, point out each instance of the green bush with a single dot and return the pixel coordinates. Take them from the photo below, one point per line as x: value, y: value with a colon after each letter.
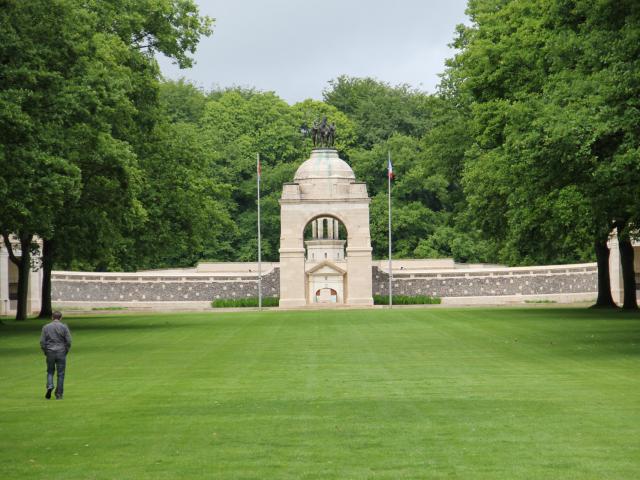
x: 406, y: 300
x: 244, y: 302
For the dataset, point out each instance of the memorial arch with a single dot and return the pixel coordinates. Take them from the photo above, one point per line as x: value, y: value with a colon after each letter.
x: 326, y: 200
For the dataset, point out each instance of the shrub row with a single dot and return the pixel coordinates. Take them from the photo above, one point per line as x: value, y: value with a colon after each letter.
x: 274, y: 301
x: 244, y: 302
x: 406, y: 300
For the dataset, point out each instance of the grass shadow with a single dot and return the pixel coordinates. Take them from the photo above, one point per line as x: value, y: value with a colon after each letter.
x: 15, y: 328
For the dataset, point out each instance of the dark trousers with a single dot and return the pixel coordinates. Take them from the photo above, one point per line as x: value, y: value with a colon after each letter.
x: 56, y: 361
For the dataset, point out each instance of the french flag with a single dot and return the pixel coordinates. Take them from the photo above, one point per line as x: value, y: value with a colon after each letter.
x: 390, y: 169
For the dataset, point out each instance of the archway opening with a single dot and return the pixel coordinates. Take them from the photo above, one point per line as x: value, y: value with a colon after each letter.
x: 325, y: 238
x: 326, y: 295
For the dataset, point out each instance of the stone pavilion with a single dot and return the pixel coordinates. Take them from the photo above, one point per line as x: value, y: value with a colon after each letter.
x: 325, y: 244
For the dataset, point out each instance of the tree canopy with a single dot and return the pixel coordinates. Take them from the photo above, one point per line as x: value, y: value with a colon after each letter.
x: 78, y: 95
x: 553, y: 166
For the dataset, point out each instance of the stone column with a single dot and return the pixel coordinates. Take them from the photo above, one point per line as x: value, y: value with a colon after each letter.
x: 293, y: 292
x: 359, y: 286
x: 314, y: 229
x: 320, y: 228
x: 35, y: 291
x: 4, y: 281
x: 336, y: 229
x: 330, y: 228
x: 292, y: 278
x: 615, y: 271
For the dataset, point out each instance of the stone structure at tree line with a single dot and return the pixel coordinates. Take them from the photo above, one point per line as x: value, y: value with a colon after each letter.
x: 455, y: 284
x: 324, y: 197
x: 9, y: 280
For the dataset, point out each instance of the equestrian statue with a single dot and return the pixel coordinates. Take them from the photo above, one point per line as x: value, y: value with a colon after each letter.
x: 323, y: 133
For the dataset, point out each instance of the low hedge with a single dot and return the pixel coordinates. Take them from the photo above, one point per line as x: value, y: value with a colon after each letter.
x: 274, y: 301
x: 244, y: 302
x: 406, y: 300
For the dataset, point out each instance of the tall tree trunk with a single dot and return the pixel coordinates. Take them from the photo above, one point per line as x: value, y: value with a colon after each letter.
x: 47, y: 265
x: 604, y: 300
x: 24, y: 270
x: 628, y: 273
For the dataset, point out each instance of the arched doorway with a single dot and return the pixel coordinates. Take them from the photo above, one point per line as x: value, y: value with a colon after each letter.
x: 325, y: 259
x: 326, y: 295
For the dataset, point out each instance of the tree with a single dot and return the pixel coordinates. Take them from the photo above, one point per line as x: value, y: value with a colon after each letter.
x: 420, y: 195
x: 97, y: 229
x: 79, y: 94
x: 237, y: 125
x: 546, y: 82
x: 427, y: 136
x: 181, y: 101
x: 378, y: 109
x: 185, y: 203
x: 37, y: 177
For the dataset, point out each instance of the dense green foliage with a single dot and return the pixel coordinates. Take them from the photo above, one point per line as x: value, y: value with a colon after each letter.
x: 554, y: 108
x: 232, y: 126
x: 378, y: 111
x: 78, y: 99
x: 406, y: 300
x: 527, y: 155
x: 552, y: 91
x: 527, y: 393
x: 244, y: 302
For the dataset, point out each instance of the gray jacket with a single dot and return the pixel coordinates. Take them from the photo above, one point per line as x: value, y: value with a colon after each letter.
x: 55, y: 337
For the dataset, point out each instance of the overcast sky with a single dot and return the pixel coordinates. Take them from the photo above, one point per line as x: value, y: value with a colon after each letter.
x: 295, y: 47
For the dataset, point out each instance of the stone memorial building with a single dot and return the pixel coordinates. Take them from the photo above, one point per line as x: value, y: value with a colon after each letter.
x: 325, y: 201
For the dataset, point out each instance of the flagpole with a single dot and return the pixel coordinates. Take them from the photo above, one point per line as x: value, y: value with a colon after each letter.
x: 259, y: 238
x: 389, y: 173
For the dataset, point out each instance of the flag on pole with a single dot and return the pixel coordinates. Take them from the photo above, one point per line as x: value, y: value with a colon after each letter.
x: 390, y: 169
x: 259, y: 170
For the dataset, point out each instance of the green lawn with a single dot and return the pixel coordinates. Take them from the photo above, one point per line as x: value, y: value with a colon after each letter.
x: 536, y: 393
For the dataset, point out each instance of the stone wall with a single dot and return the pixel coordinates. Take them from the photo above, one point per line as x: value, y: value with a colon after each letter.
x: 550, y: 280
x: 192, y: 286
x: 146, y: 287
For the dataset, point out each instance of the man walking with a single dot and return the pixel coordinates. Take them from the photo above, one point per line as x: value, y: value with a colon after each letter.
x: 55, y: 342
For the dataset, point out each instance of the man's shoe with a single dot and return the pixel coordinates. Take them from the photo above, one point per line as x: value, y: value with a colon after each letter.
x: 58, y: 397
x: 48, y: 394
